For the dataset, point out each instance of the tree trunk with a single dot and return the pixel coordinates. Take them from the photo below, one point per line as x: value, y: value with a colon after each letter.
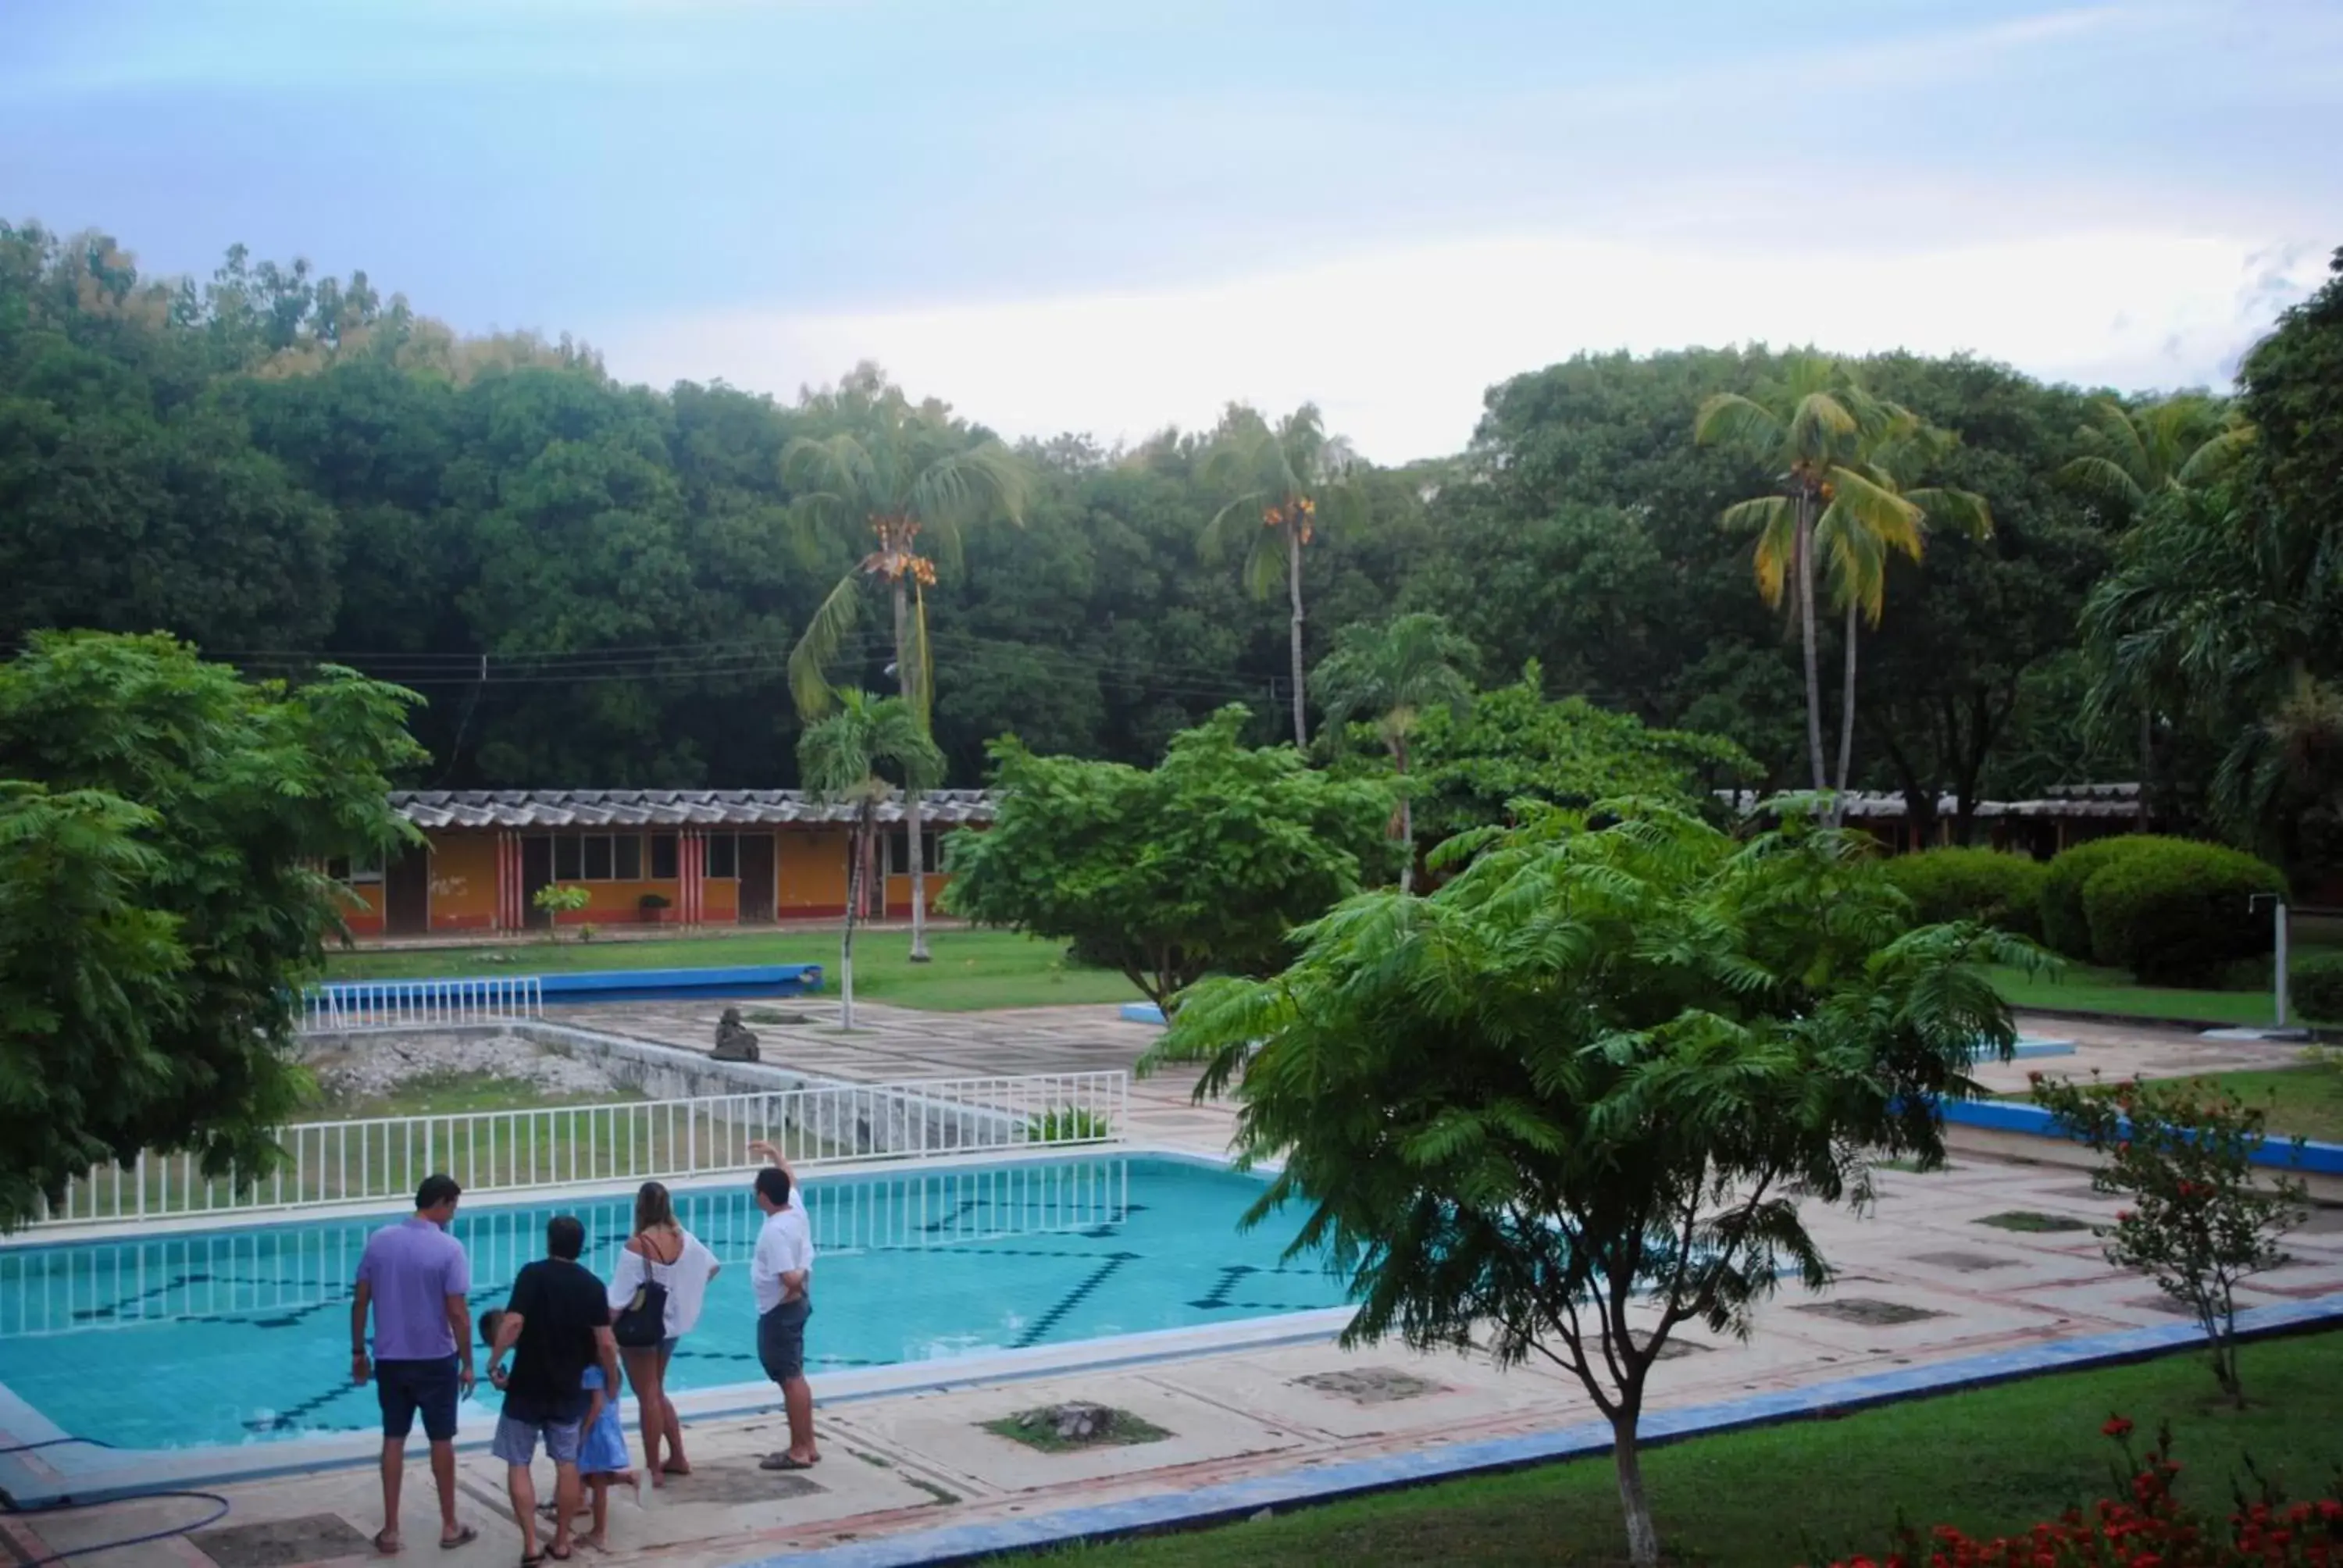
x: 1805, y: 591
x: 1406, y: 821
x: 2147, y: 760
x: 1845, y: 720
x: 1643, y: 1538
x: 909, y: 685
x: 855, y: 854
x: 1293, y: 595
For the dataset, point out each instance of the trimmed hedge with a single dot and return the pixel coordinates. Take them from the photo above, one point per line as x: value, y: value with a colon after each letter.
x: 2315, y: 987
x: 2178, y: 913
x: 2004, y: 892
x: 2065, y: 928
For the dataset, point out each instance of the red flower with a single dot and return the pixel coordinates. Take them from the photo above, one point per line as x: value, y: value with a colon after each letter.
x: 2117, y: 1427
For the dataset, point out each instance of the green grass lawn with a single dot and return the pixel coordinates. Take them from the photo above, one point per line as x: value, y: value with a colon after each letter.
x: 2301, y: 1102
x: 969, y: 970
x: 1995, y: 1461
x: 452, y: 1094
x: 2081, y: 987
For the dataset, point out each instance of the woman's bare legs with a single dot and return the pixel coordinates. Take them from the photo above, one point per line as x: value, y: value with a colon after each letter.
x: 651, y: 1401
x: 676, y: 1464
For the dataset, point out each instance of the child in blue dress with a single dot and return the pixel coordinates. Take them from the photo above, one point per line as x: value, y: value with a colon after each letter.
x: 601, y: 1449
x: 602, y: 1456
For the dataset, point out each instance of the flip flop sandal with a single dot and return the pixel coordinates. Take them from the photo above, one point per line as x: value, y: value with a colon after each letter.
x: 465, y: 1535
x: 782, y: 1461
x: 392, y: 1550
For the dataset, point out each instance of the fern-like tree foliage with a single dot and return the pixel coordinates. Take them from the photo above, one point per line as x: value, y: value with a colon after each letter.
x: 1575, y: 1097
x: 162, y: 824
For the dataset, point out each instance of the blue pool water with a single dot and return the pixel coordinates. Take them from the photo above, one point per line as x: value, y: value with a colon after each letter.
x: 239, y: 1336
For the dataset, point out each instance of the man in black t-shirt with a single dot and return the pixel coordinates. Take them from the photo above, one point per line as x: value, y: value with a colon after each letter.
x: 557, y: 1324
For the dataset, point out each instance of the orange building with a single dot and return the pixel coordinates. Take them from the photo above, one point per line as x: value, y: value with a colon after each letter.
x: 679, y: 857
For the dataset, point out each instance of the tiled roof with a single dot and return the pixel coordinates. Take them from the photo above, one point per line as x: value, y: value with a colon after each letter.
x: 662, y: 807
x: 2076, y: 801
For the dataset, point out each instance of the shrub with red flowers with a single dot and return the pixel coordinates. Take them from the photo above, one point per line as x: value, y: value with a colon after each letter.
x: 2200, y: 1218
x: 2145, y: 1526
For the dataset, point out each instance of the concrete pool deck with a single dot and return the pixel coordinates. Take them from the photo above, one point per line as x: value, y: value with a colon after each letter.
x: 1923, y: 1283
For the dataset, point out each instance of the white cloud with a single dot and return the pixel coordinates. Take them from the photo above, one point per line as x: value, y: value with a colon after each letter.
x: 1398, y: 347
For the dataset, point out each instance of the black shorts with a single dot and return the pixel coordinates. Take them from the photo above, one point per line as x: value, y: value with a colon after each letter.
x: 780, y: 1338
x: 406, y: 1387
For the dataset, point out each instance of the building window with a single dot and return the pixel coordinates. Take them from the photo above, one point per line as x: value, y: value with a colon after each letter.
x: 598, y: 857
x: 899, y: 852
x: 663, y: 862
x: 723, y: 855
x: 366, y: 869
x: 568, y: 858
x: 629, y: 848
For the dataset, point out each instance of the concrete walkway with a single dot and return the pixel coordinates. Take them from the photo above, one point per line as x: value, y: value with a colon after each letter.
x: 1927, y: 1277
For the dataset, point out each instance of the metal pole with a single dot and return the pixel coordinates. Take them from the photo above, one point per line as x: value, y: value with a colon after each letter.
x: 2277, y: 947
x: 2280, y: 945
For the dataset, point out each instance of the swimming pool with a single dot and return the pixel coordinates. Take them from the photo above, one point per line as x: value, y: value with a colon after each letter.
x: 243, y: 1336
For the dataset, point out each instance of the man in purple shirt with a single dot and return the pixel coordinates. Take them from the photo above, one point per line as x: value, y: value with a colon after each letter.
x: 415, y: 1277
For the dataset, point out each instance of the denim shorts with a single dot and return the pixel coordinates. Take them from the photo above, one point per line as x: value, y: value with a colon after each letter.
x: 403, y: 1387
x: 780, y: 1338
x: 516, y: 1439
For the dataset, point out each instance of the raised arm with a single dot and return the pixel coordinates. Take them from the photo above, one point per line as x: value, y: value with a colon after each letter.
x: 771, y: 1155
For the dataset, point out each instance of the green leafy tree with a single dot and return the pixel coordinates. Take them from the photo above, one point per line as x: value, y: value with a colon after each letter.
x: 1201, y: 865
x: 1515, y: 744
x: 903, y: 473
x: 2201, y: 1218
x: 864, y: 753
x: 1282, y: 476
x: 1813, y: 430
x: 1391, y: 676
x: 557, y: 900
x: 161, y: 821
x: 1573, y: 1099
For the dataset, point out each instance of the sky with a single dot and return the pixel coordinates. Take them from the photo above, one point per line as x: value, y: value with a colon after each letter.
x: 1110, y: 217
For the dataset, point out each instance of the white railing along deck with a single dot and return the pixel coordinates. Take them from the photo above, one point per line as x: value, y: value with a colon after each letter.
x: 332, y: 1163
x: 346, y: 1005
x: 143, y: 1279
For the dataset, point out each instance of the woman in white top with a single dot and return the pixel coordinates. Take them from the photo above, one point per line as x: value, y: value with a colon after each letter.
x: 660, y: 1251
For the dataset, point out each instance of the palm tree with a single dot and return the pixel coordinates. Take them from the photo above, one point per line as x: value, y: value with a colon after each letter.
x: 1394, y: 673
x: 899, y: 478
x: 2131, y: 456
x: 848, y: 757
x: 1858, y: 540
x: 1814, y: 430
x: 1286, y: 475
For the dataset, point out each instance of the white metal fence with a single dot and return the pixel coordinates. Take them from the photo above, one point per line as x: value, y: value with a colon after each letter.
x: 346, y: 1005
x: 330, y: 1163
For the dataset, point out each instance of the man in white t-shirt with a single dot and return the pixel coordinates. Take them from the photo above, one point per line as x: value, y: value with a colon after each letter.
x: 780, y: 1272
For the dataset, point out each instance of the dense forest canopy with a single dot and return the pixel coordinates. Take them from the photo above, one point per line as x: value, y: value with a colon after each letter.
x: 595, y: 584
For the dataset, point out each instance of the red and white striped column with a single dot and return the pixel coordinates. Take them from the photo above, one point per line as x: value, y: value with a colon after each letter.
x: 512, y: 913
x: 692, y: 873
